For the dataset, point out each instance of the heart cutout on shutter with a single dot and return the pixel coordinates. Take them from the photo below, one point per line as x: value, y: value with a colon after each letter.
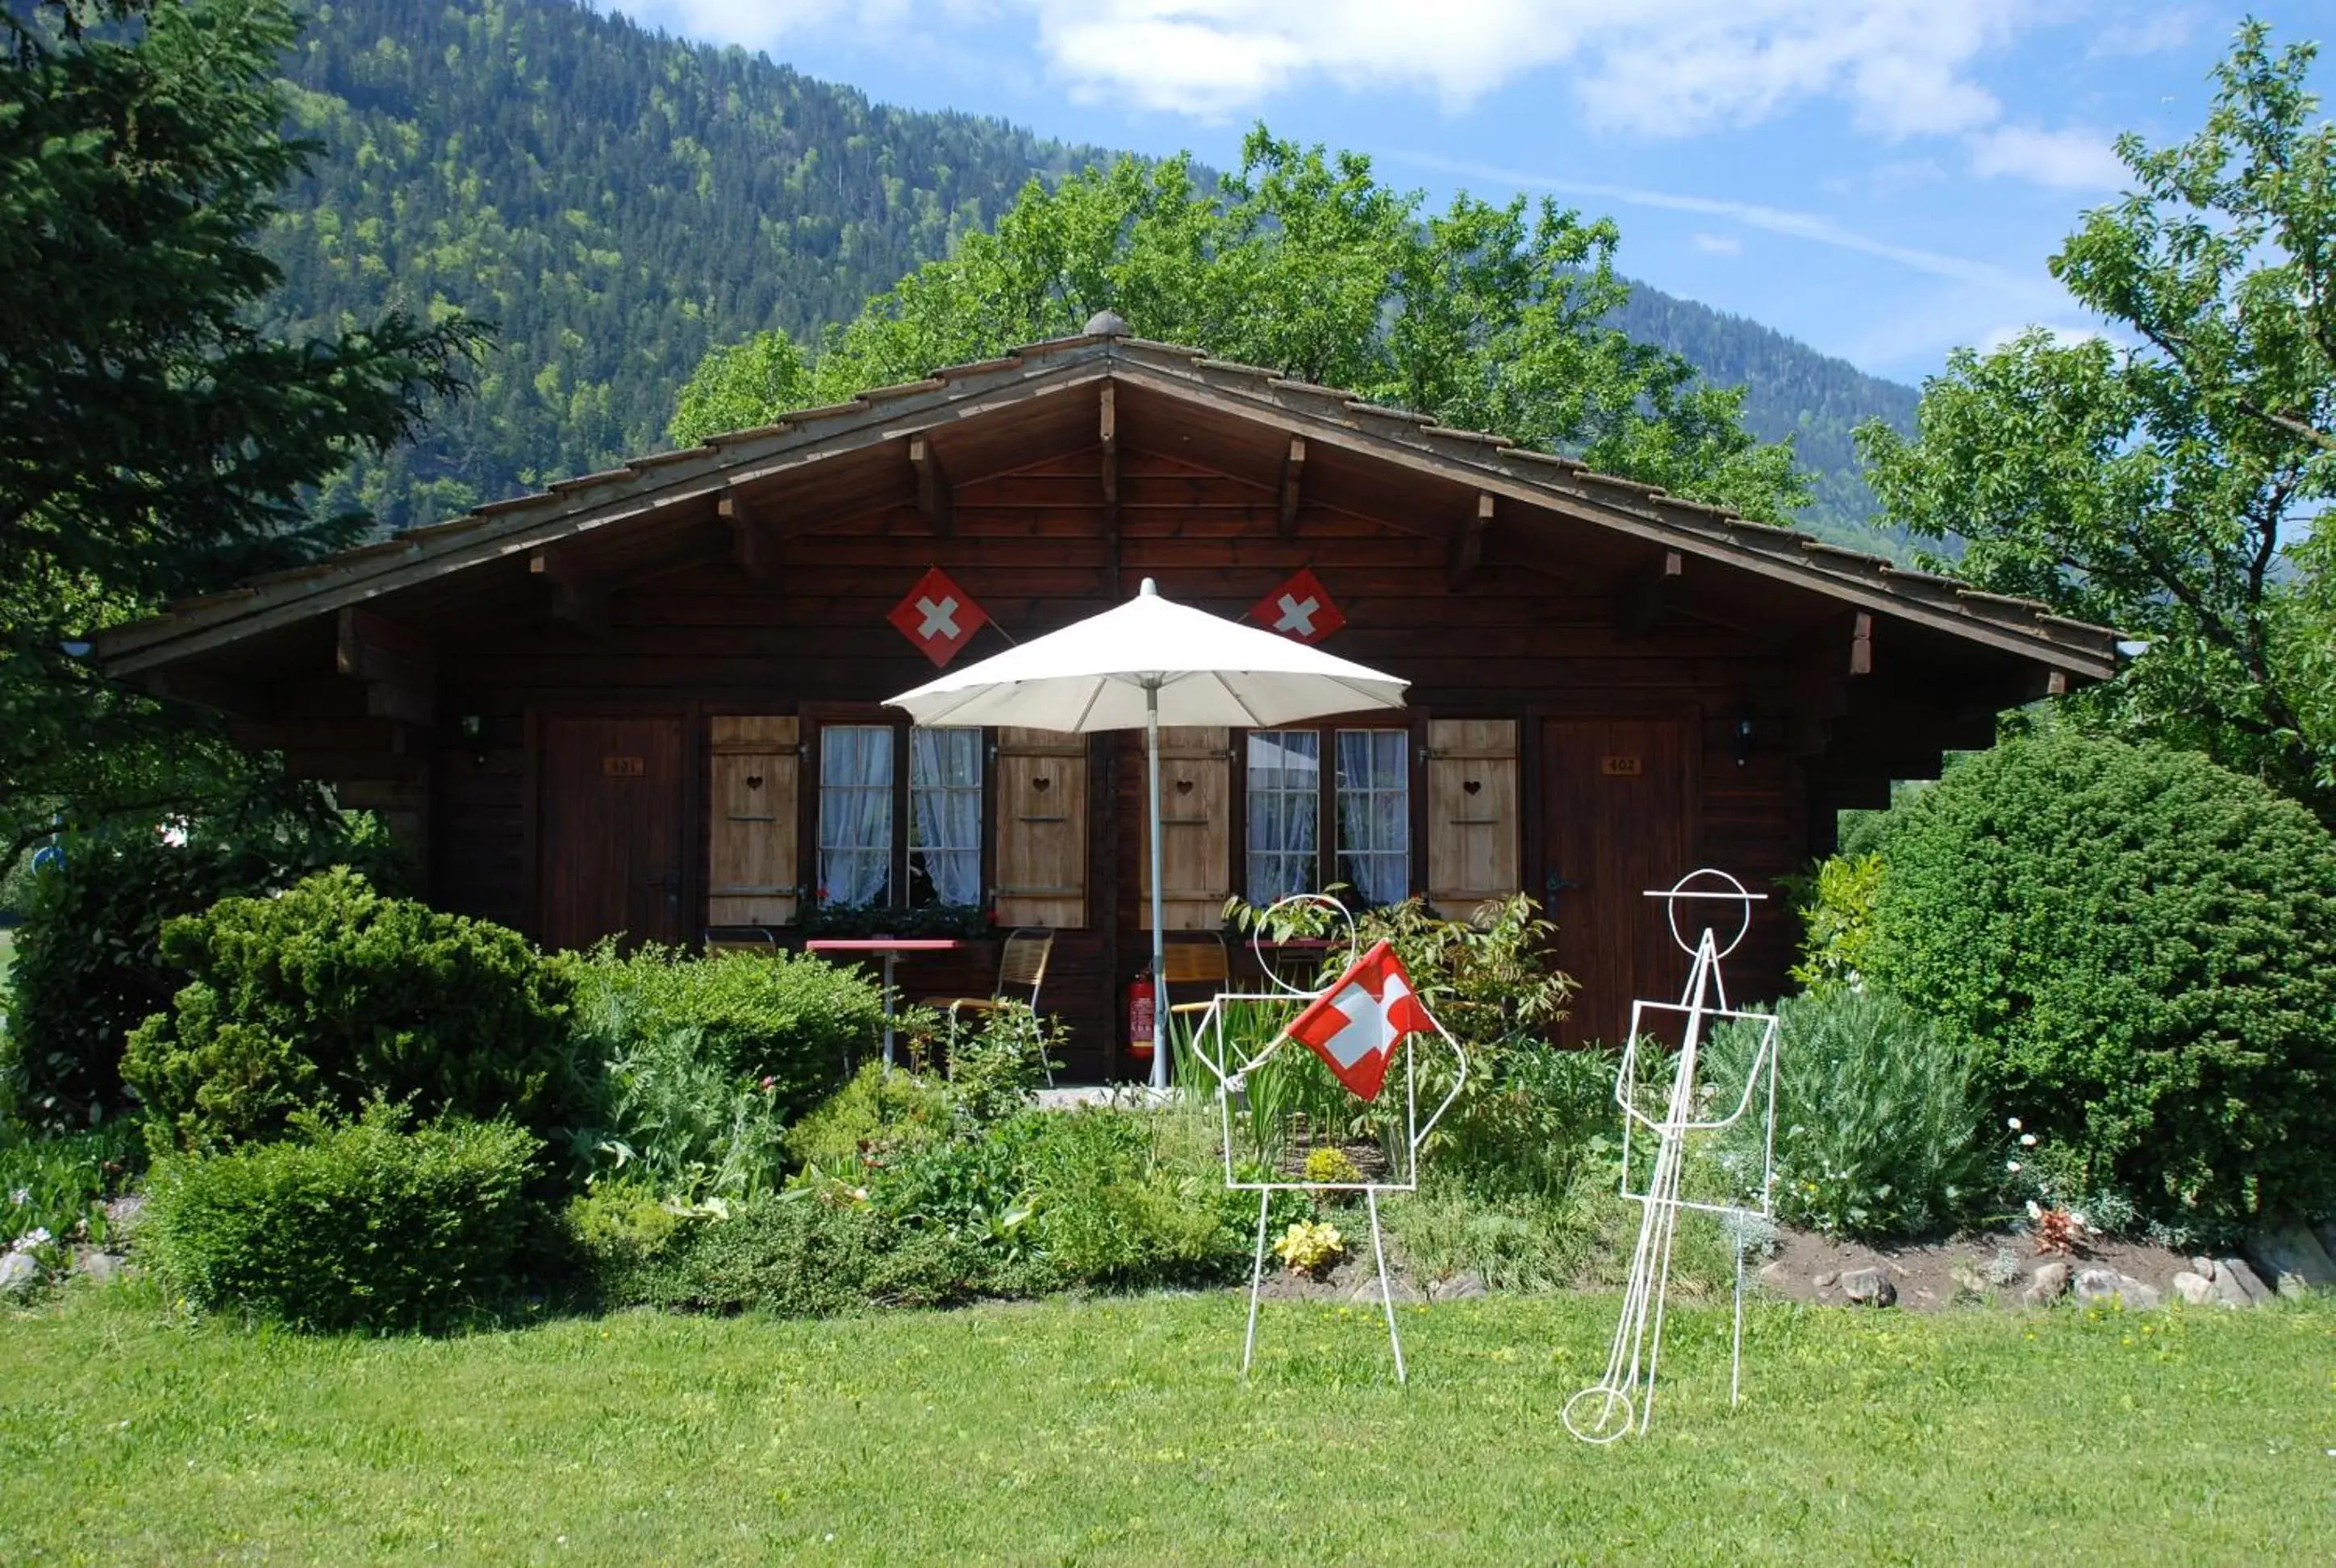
x: 1040, y: 784
x: 1183, y: 786
x: 753, y: 781
x: 1472, y: 785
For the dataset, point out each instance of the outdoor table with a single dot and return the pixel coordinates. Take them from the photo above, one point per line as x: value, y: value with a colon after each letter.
x: 889, y: 950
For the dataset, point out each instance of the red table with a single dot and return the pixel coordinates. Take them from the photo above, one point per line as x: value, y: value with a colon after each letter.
x: 889, y: 950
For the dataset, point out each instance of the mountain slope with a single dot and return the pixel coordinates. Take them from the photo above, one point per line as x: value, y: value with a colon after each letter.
x: 616, y: 202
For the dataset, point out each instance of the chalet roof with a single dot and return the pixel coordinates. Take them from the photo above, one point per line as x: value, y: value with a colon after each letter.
x: 572, y: 509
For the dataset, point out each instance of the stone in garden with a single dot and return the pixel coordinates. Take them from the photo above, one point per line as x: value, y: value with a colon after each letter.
x: 2048, y: 1284
x: 2195, y: 1290
x: 1968, y: 1279
x: 2202, y: 1267
x: 123, y: 1214
x: 1824, y: 1281
x: 18, y: 1274
x: 1774, y: 1276
x: 101, y: 1266
x: 2326, y: 1230
x: 1464, y: 1286
x: 1868, y: 1287
x: 2095, y: 1286
x: 2292, y: 1257
x: 1399, y: 1290
x: 2236, y: 1283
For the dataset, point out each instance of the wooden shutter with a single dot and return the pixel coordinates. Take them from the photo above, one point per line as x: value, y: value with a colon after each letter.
x: 1472, y: 812
x: 751, y: 877
x: 1195, y: 839
x: 1042, y: 828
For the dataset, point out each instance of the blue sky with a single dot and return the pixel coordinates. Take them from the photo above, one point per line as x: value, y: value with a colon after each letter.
x: 1883, y: 178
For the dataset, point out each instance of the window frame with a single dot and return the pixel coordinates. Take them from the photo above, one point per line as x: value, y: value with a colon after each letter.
x: 1411, y: 722
x: 817, y: 719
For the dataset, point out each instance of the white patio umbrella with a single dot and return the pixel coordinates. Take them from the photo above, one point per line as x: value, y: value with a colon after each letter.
x: 1151, y: 662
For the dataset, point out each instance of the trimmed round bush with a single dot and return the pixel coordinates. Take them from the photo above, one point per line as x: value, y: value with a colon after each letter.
x: 331, y: 995
x: 2141, y: 947
x: 360, y: 1225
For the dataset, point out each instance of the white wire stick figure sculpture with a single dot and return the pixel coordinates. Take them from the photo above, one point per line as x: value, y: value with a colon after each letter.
x: 1625, y: 1396
x: 1357, y: 1024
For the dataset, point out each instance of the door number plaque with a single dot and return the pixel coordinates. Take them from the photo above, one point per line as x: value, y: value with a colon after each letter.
x: 1620, y: 767
x: 628, y: 767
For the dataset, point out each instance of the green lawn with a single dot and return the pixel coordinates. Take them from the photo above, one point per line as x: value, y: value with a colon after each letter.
x: 1117, y: 1431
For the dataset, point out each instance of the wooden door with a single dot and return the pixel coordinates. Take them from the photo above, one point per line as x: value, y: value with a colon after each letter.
x: 608, y: 831
x: 1617, y: 799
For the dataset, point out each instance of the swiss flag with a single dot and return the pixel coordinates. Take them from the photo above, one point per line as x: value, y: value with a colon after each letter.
x: 1357, y: 1025
x: 939, y: 617
x: 1300, y: 608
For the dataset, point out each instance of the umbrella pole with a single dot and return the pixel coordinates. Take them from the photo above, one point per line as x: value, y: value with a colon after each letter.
x: 1159, y: 901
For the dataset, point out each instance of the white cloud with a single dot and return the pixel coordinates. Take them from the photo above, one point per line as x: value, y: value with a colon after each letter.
x: 2070, y: 159
x: 1647, y: 67
x: 1806, y: 226
x: 1717, y: 244
x: 2149, y: 34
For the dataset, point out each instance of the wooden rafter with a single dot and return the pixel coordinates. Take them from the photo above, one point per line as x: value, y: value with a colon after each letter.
x: 754, y: 546
x: 933, y: 494
x: 1293, y: 477
x: 1640, y: 602
x: 1468, y: 543
x: 579, y: 599
x: 395, y: 663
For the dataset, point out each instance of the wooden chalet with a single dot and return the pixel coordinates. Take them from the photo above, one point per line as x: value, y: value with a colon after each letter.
x: 647, y: 702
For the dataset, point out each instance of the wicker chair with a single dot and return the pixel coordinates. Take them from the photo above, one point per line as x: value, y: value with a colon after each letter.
x: 1021, y: 967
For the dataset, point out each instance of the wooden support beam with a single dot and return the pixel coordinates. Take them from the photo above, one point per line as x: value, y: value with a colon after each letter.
x: 577, y: 599
x: 1110, y: 446
x: 395, y: 663
x: 933, y: 495
x: 1861, y: 644
x: 1293, y: 476
x: 754, y: 546
x: 1639, y: 603
x: 1468, y: 544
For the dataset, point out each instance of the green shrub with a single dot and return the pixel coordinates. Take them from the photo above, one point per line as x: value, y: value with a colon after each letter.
x: 678, y: 1117
x: 793, y: 1019
x: 995, y: 1070
x: 2143, y: 949
x: 797, y: 1256
x: 356, y: 1225
x: 1114, y: 1206
x: 1879, y: 1133
x: 1836, y: 909
x: 881, y: 1112
x: 89, y: 966
x: 330, y: 996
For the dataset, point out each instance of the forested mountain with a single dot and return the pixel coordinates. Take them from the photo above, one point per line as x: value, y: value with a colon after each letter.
x: 616, y: 201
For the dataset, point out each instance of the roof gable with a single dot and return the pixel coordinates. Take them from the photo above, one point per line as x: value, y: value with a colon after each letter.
x: 1004, y: 389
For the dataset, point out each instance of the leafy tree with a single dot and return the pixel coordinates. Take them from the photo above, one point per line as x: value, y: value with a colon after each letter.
x: 2162, y: 480
x: 1484, y: 316
x: 152, y: 441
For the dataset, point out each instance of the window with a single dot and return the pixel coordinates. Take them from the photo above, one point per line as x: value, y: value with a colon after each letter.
x: 945, y: 816
x: 1285, y: 794
x: 1375, y: 813
x: 1367, y: 797
x: 855, y: 813
x: 861, y: 808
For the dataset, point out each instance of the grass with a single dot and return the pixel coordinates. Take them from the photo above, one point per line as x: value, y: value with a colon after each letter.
x: 1116, y: 1431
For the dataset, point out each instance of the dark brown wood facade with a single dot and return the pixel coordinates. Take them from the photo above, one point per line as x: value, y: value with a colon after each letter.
x: 565, y: 714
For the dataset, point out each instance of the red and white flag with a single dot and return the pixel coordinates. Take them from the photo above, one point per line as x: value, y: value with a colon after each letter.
x: 939, y: 617
x: 1355, y: 1026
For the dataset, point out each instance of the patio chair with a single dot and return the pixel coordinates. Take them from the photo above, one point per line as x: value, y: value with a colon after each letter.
x: 741, y: 940
x: 1202, y: 961
x: 1022, y: 966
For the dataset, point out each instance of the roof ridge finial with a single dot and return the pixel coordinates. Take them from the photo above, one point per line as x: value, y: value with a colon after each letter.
x: 1106, y: 323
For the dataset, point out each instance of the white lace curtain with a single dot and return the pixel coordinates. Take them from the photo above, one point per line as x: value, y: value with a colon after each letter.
x: 855, y: 813
x: 944, y: 811
x: 1375, y: 813
x: 1285, y: 796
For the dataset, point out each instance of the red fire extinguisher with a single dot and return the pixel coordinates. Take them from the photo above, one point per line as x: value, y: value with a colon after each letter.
x: 1141, y: 1014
